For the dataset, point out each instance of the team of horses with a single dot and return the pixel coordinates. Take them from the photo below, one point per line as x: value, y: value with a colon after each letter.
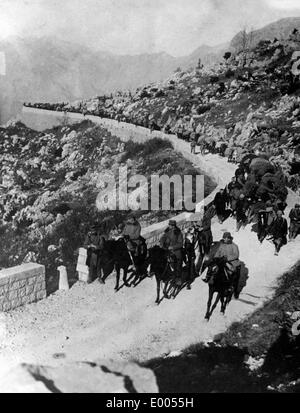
x: 158, y: 262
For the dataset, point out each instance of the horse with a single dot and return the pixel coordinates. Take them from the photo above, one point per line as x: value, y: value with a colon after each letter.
x: 220, y: 282
x: 202, y: 147
x: 116, y: 254
x: 160, y: 263
x: 195, y: 248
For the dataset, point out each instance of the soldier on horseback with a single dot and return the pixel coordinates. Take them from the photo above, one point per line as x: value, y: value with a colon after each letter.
x: 135, y: 242
x: 132, y: 233
x: 223, y: 275
x: 229, y: 251
x: 205, y: 235
x: 172, y: 241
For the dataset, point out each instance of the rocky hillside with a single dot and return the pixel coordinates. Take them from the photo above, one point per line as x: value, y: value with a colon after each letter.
x: 49, y: 69
x: 249, y: 102
x: 280, y: 30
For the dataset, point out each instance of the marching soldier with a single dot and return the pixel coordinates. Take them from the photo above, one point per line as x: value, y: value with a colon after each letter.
x: 279, y: 231
x: 93, y: 243
x: 295, y: 222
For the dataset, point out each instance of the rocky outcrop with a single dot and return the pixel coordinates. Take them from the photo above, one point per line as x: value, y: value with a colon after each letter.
x: 98, y: 377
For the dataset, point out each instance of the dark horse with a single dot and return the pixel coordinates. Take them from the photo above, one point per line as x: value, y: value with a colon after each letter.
x: 161, y: 264
x: 154, y: 127
x: 219, y: 282
x: 196, y: 246
x: 115, y: 255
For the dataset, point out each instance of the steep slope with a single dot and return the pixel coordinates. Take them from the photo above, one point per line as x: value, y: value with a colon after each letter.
x: 241, y: 104
x: 49, y: 69
x: 280, y: 30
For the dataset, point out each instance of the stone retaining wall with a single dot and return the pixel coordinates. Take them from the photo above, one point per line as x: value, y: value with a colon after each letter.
x: 21, y: 285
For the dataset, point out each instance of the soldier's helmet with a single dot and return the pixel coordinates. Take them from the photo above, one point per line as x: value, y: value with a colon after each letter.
x: 227, y: 235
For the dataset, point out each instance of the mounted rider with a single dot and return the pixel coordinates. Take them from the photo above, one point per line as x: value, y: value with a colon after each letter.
x: 172, y: 241
x: 228, y: 250
x: 132, y: 236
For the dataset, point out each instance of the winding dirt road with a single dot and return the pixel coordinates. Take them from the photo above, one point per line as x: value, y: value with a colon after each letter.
x: 92, y: 321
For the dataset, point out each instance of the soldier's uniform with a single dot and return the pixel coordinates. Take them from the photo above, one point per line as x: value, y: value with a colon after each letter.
x: 232, y: 254
x: 295, y: 222
x: 132, y: 233
x: 279, y: 230
x: 193, y: 143
x: 262, y: 224
x: 93, y: 243
x: 190, y: 240
x: 204, y: 234
x: 241, y: 212
x: 172, y: 240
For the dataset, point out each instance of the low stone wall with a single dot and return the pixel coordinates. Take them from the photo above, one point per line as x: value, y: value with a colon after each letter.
x: 21, y: 285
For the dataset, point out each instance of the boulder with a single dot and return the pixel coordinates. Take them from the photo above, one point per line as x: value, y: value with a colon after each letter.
x: 99, y: 377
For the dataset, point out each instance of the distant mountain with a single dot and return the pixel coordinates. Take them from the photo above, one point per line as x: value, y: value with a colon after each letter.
x: 209, y: 55
x: 280, y: 29
x: 48, y: 69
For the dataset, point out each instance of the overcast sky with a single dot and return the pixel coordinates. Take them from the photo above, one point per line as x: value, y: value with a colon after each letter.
x: 140, y: 26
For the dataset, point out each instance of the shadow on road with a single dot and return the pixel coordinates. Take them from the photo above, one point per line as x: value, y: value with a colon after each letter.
x: 204, y: 370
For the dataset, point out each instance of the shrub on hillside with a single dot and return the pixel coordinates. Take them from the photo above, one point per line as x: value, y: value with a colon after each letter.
x: 150, y: 147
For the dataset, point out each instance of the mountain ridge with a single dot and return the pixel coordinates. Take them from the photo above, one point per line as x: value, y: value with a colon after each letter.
x: 280, y: 29
x: 49, y: 69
